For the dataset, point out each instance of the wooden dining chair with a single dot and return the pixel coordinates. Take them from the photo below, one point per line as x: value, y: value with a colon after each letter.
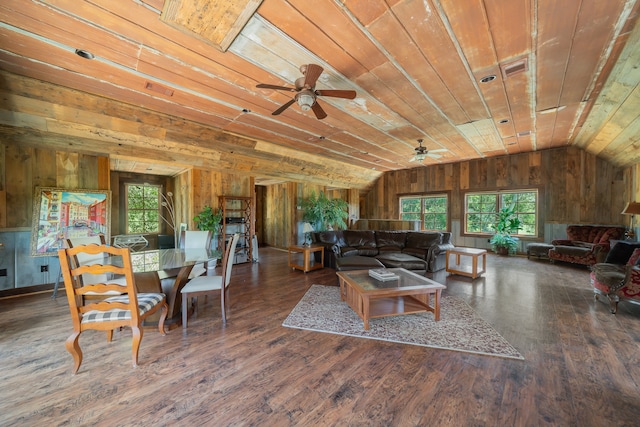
x: 128, y: 308
x: 84, y: 259
x: 208, y: 285
x: 192, y: 239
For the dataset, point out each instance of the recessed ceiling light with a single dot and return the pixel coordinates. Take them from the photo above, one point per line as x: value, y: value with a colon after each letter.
x: 487, y: 79
x: 321, y: 137
x: 503, y: 121
x: 246, y: 110
x: 84, y: 54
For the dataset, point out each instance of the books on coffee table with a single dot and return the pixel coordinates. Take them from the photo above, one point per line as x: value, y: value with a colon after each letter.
x: 383, y: 274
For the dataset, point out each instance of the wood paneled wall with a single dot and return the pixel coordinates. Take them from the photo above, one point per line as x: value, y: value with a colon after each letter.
x: 576, y: 187
x: 281, y: 218
x: 22, y: 169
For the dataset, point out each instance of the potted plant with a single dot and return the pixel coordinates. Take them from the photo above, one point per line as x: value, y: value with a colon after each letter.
x: 507, y: 222
x: 324, y: 213
x: 209, y: 219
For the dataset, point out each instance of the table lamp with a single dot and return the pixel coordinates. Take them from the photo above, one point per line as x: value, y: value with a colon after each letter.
x: 632, y: 208
x: 307, y: 229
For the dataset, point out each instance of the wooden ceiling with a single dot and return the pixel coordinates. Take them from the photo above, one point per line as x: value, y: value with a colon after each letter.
x: 173, y: 83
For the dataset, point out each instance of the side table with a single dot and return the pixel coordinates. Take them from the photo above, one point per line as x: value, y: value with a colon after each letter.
x: 308, y: 261
x: 466, y: 270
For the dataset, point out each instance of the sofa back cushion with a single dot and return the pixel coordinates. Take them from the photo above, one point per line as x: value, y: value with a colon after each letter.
x: 611, y: 233
x: 593, y: 233
x: 333, y: 237
x: 359, y: 238
x: 423, y: 240
x: 391, y: 240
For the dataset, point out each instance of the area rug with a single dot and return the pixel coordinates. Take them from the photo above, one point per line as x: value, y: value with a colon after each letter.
x: 459, y: 328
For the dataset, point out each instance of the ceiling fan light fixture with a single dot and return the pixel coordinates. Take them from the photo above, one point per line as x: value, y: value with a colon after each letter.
x: 305, y: 101
x: 421, y: 156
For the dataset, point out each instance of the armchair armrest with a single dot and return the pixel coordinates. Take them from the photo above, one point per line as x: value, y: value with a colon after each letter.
x: 442, y: 247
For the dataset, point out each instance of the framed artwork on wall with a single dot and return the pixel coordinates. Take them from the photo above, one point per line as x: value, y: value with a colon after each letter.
x: 59, y: 214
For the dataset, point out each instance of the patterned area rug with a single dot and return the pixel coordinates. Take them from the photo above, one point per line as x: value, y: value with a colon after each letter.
x: 459, y: 328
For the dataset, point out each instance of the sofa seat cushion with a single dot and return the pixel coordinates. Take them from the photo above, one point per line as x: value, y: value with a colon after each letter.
x: 417, y: 252
x: 347, y: 251
x: 389, y: 248
x: 357, y: 262
x: 572, y: 251
x: 400, y: 260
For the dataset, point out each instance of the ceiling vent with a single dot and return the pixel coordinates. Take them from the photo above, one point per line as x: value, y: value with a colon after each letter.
x: 155, y: 87
x: 515, y: 67
x: 523, y: 133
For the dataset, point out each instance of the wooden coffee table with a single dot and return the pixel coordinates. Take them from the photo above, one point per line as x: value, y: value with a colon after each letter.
x: 371, y: 298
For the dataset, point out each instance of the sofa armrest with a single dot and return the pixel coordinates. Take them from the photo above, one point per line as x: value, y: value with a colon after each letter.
x: 442, y: 247
x: 562, y: 242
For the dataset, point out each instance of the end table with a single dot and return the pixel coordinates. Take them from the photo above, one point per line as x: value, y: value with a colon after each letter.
x: 308, y: 263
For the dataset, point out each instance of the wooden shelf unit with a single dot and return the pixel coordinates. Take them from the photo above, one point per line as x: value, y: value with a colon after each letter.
x: 237, y: 217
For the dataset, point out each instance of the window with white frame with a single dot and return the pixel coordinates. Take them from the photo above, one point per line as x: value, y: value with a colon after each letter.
x: 430, y: 210
x: 143, y: 208
x: 481, y: 210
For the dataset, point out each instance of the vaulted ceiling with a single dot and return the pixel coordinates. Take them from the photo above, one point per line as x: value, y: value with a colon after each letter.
x: 172, y: 83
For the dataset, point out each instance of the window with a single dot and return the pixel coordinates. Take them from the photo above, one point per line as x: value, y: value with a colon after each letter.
x: 481, y: 209
x: 143, y: 208
x: 430, y: 210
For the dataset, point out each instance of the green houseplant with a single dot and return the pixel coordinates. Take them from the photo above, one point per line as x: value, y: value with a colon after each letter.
x: 209, y: 219
x: 507, y: 222
x: 324, y: 213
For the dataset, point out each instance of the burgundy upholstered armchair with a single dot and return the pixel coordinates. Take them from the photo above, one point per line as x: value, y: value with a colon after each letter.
x: 585, y: 244
x: 617, y: 281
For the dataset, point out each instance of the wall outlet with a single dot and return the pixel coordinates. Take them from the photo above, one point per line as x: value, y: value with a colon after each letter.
x: 44, y: 268
x: 3, y: 272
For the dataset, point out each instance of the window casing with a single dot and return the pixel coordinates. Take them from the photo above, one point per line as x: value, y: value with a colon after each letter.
x: 431, y: 210
x: 481, y: 209
x: 143, y: 208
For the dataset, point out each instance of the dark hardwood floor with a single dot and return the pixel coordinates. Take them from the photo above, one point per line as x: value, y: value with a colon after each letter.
x: 580, y: 369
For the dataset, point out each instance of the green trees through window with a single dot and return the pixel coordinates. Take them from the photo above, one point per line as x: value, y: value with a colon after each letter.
x: 430, y: 210
x: 143, y: 208
x: 481, y: 210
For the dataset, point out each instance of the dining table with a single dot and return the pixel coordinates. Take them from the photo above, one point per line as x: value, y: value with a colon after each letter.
x: 167, y: 271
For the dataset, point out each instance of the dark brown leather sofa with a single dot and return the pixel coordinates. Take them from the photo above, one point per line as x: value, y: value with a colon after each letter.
x: 429, y: 246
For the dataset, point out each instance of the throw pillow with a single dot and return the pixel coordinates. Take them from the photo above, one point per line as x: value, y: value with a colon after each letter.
x: 635, y: 257
x: 621, y: 252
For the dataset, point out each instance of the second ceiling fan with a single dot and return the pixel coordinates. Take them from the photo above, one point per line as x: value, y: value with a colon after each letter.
x: 306, y: 93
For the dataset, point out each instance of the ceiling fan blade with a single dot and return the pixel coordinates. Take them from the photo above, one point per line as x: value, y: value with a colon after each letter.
x: 268, y: 86
x: 347, y: 94
x: 284, y: 107
x: 311, y: 75
x: 317, y: 109
x: 434, y: 156
x: 438, y: 150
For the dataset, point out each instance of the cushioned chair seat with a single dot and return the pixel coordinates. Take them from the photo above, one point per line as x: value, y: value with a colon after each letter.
x: 400, y: 260
x: 145, y: 303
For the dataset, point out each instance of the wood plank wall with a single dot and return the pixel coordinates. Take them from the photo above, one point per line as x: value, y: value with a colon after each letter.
x: 22, y: 169
x: 577, y: 187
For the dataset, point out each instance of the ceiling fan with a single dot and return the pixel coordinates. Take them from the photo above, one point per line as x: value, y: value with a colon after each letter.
x: 422, y: 153
x: 306, y: 92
